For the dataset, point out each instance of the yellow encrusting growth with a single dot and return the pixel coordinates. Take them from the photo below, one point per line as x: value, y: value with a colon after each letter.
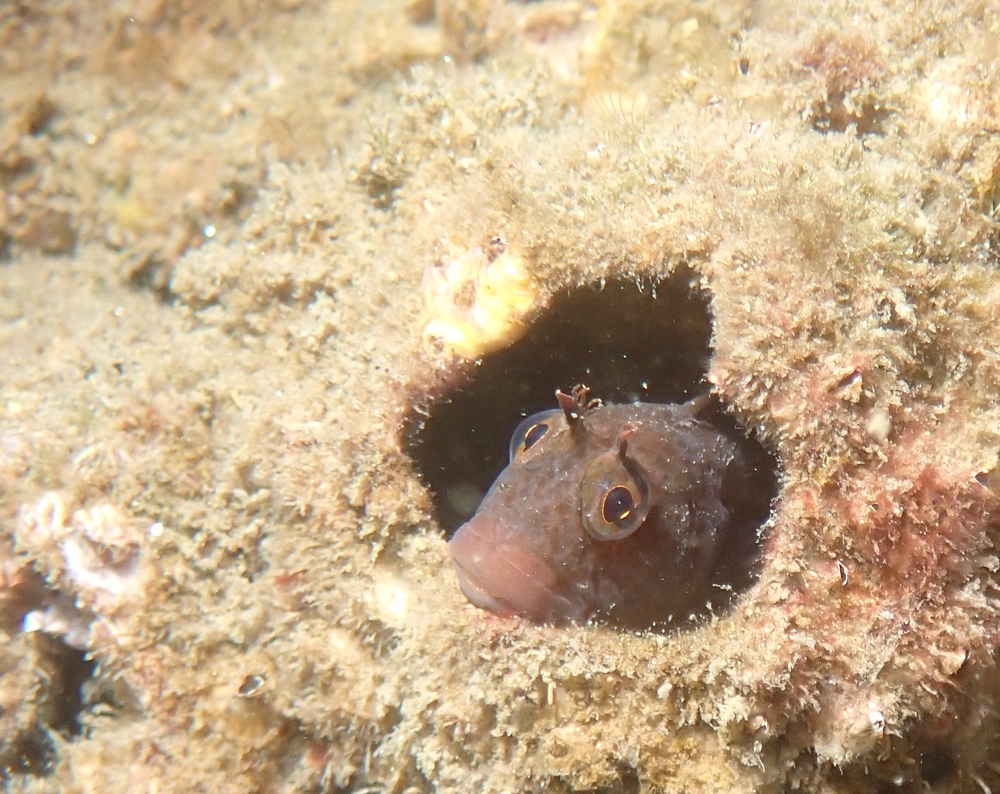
x: 478, y: 304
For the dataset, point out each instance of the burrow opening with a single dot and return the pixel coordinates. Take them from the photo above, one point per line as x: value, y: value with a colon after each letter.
x: 62, y: 672
x: 628, y: 341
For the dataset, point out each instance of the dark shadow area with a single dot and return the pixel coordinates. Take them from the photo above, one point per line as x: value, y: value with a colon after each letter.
x: 627, y: 343
x: 63, y: 671
x: 627, y: 783
x: 834, y: 116
x: 66, y: 670
x: 30, y: 752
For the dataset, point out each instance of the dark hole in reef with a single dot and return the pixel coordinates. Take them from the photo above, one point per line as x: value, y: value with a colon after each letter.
x: 149, y: 272
x: 67, y: 669
x: 627, y: 342
x: 63, y: 671
x: 627, y: 783
x: 29, y: 752
x: 937, y: 765
x: 833, y: 116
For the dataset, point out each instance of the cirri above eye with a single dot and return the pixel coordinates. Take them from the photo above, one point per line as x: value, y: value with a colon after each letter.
x: 530, y: 432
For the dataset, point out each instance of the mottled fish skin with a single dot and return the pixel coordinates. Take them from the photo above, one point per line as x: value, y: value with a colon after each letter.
x: 531, y: 548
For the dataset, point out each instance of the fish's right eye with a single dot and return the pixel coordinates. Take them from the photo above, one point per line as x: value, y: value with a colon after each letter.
x: 614, y: 495
x: 530, y: 432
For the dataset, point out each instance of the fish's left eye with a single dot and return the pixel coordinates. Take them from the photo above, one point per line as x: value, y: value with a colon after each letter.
x: 535, y: 434
x: 614, y: 496
x: 530, y: 432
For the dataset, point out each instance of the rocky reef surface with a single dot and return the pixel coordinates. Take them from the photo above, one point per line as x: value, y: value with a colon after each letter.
x: 255, y: 255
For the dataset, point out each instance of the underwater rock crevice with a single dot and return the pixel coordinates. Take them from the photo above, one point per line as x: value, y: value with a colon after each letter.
x: 62, y: 672
x: 628, y: 342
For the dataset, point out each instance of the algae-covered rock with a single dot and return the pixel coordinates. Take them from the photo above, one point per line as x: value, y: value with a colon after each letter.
x: 253, y: 255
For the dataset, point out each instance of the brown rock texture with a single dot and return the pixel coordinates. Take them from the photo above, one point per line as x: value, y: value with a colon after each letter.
x: 224, y: 234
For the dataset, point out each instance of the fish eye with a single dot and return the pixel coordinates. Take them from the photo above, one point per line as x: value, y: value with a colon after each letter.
x: 614, y: 496
x: 535, y: 434
x: 618, y: 505
x: 530, y: 432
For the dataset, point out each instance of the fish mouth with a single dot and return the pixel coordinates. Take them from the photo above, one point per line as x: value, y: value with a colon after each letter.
x: 477, y: 594
x: 502, y: 576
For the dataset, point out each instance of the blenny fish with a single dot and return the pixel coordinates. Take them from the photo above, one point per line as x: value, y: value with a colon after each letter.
x: 616, y: 513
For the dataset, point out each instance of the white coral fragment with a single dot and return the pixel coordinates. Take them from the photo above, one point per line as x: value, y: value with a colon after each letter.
x: 46, y: 519
x: 954, y: 96
x: 99, y: 545
x: 393, y: 598
x: 63, y: 620
x: 88, y: 570
x: 102, y: 552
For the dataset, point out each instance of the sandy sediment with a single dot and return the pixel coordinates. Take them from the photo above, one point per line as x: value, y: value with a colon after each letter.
x: 246, y: 249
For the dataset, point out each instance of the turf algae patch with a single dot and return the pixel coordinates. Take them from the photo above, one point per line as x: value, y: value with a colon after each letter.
x: 300, y: 630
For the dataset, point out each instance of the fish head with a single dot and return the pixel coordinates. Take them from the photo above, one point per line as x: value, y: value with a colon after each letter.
x: 529, y: 548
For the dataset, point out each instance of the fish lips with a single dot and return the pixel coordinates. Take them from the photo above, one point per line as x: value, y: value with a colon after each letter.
x: 500, y: 575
